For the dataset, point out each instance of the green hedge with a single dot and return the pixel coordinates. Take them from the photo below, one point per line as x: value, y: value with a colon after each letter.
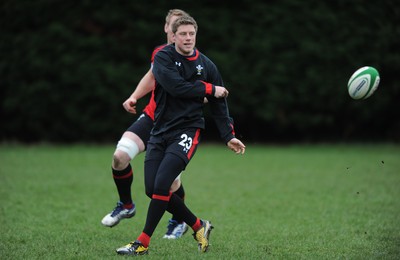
x: 67, y: 66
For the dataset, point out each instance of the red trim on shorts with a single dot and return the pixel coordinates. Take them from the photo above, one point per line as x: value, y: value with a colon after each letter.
x: 161, y: 197
x: 129, y: 174
x: 195, y: 143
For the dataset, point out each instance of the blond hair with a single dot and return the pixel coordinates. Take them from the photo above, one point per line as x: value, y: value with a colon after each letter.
x: 175, y: 12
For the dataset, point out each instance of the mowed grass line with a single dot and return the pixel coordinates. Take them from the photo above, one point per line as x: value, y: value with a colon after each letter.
x: 275, y: 202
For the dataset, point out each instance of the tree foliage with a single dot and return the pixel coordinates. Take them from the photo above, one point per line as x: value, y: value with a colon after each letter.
x: 67, y: 66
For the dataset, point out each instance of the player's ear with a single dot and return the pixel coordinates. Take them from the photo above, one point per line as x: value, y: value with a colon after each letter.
x: 166, y: 28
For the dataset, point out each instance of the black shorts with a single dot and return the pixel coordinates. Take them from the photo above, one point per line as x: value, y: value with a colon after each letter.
x: 142, y: 127
x: 182, y: 142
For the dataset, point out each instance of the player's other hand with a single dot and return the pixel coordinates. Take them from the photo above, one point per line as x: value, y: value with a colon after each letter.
x: 221, y: 92
x: 130, y: 105
x: 237, y: 146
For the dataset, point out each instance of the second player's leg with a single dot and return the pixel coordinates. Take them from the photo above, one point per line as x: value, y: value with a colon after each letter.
x: 127, y: 148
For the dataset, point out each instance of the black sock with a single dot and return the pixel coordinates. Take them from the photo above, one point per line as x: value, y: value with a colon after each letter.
x: 123, y: 180
x: 181, y: 194
x: 179, y: 209
x: 157, y: 208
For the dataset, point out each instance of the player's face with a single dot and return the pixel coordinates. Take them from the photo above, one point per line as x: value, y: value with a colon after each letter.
x: 168, y: 29
x: 185, y: 39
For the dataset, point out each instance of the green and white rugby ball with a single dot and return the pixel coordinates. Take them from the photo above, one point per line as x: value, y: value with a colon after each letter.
x: 363, y: 83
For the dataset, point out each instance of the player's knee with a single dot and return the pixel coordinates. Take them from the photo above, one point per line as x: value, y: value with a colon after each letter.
x: 175, y: 185
x: 128, y: 146
x: 126, y: 150
x: 161, y: 191
x: 120, y: 160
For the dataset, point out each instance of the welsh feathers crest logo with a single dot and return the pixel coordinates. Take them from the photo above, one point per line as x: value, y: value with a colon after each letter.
x: 199, y: 69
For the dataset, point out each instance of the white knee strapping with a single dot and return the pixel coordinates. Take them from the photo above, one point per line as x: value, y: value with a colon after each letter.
x: 128, y: 146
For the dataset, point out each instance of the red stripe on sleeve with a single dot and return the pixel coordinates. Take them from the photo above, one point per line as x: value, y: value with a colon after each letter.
x: 233, y: 129
x: 208, y: 87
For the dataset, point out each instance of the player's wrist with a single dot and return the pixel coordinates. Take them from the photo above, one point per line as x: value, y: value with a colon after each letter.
x: 213, y: 90
x: 228, y: 139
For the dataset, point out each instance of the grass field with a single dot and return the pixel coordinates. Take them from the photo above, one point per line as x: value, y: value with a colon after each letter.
x: 275, y: 202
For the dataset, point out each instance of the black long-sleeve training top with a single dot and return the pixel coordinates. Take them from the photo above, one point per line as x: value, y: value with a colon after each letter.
x: 182, y: 82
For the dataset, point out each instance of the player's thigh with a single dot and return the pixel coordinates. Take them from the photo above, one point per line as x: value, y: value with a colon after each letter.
x: 141, y: 128
x: 154, y: 156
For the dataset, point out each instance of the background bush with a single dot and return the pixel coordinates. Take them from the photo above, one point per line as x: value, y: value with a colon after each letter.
x: 67, y: 66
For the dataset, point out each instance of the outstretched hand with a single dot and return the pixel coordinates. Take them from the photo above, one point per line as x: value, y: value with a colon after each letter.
x: 237, y: 146
x: 130, y: 105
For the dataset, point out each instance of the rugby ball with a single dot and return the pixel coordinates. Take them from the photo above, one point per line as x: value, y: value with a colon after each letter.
x: 363, y: 83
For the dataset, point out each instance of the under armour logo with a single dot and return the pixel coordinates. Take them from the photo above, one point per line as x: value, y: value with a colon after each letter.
x: 178, y: 63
